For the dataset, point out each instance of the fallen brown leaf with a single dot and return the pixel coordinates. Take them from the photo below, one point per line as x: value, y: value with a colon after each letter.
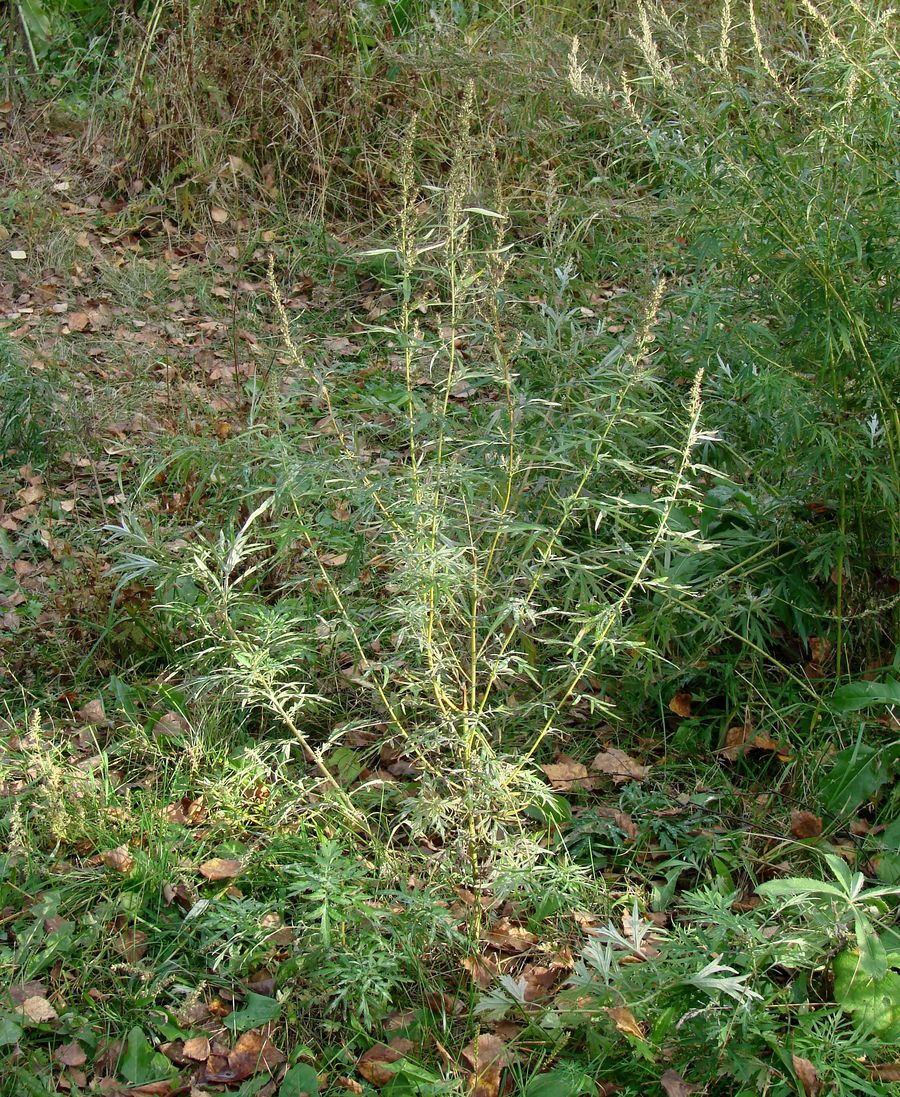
x: 197, y: 1048
x: 486, y: 1057
x: 440, y: 1002
x: 483, y: 970
x: 185, y: 812
x: 173, y: 1051
x: 885, y: 1072
x: 333, y: 559
x: 376, y: 1064
x: 130, y: 943
x: 676, y: 1086
x: 565, y: 774
x: 539, y: 980
x: 506, y: 937
x: 805, y: 824
x: 262, y: 982
x: 32, y: 494
x: 620, y: 766
x: 171, y: 723
x: 807, y: 1076
x: 340, y: 344
x: 252, y: 1053
x: 30, y: 989
x: 93, y: 712
x: 625, y: 1021
x: 508, y: 1030
x: 221, y: 868
x: 217, y: 1069
x: 177, y: 893
x: 195, y: 1012
x: 681, y: 705
x: 621, y: 818
x: 70, y: 1055
x: 118, y: 859
x: 39, y: 1010
x: 399, y: 1019
x: 741, y: 738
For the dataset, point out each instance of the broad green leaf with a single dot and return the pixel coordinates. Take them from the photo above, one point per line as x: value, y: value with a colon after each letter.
x: 252, y: 1086
x: 873, y: 1003
x: 402, y: 1086
x: 842, y: 874
x: 857, y: 695
x: 9, y: 1031
x: 413, y: 1080
x: 346, y: 763
x: 560, y: 1083
x: 300, y: 1079
x: 889, y: 863
x: 872, y: 955
x: 34, y: 14
x: 258, y: 1010
x: 799, y: 885
x: 890, y: 938
x: 889, y: 868
x: 857, y: 774
x: 140, y: 1064
x: 551, y: 809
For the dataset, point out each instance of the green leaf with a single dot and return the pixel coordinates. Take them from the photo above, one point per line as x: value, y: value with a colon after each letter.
x: 258, y: 1010
x: 551, y: 809
x: 559, y: 1083
x: 799, y: 885
x: 346, y: 764
x: 890, y: 938
x: 874, y: 1004
x: 889, y: 863
x: 140, y: 1064
x: 889, y: 868
x: 9, y: 1031
x: 300, y: 1079
x: 857, y: 774
x: 34, y: 14
x: 413, y: 1080
x: 857, y: 695
x: 872, y: 954
x: 252, y: 1086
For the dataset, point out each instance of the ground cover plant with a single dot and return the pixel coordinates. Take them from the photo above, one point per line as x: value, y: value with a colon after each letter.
x: 449, y: 523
